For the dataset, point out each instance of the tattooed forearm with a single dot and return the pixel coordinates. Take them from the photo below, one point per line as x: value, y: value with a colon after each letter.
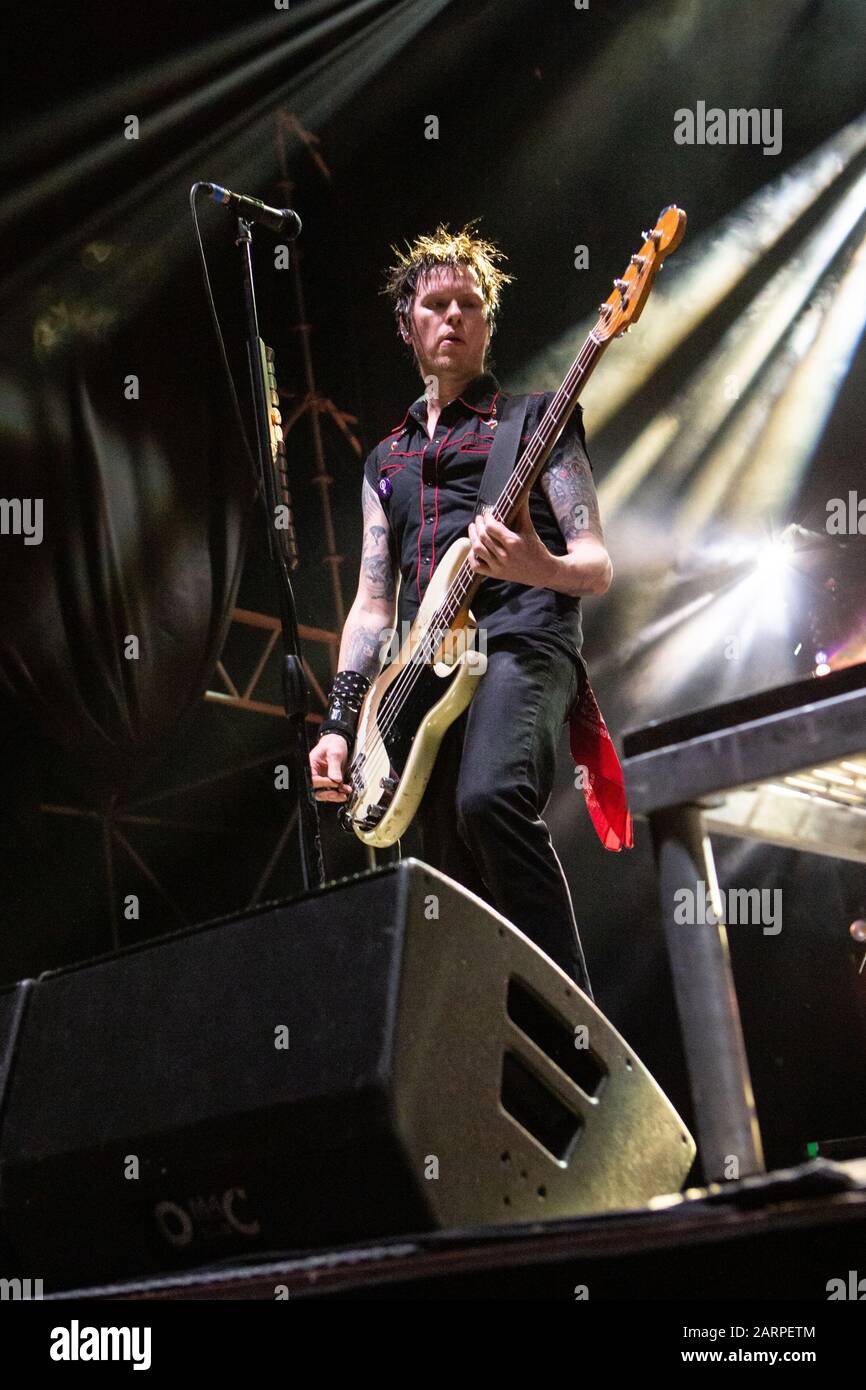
x: 567, y: 484
x: 363, y: 645
x: 361, y: 648
x: 377, y: 564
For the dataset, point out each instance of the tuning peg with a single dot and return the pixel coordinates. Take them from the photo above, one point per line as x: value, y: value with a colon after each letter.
x: 604, y: 307
x: 620, y: 285
x: 638, y: 260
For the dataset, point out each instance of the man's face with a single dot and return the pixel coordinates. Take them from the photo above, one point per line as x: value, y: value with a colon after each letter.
x: 449, y: 330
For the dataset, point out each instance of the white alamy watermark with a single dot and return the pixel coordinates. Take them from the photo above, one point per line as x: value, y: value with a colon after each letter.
x: 22, y: 516
x: 853, y: 1288
x: 459, y: 642
x: 20, y: 1290
x: 753, y: 907
x: 77, y: 1343
x: 736, y: 126
x: 846, y: 516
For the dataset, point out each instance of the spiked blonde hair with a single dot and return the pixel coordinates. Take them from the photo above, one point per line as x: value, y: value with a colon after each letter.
x: 444, y: 247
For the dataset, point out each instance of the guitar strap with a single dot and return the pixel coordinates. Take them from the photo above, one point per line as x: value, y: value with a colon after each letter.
x: 591, y: 744
x: 503, y: 453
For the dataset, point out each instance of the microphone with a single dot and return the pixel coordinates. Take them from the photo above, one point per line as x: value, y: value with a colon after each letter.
x: 282, y: 220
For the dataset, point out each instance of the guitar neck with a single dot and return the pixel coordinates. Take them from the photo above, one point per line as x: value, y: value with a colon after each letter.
x: 528, y: 466
x: 617, y: 313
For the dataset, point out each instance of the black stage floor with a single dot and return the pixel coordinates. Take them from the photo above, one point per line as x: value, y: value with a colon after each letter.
x: 785, y: 1235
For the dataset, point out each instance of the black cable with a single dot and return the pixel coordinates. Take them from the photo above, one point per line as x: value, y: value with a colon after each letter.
x: 219, y: 333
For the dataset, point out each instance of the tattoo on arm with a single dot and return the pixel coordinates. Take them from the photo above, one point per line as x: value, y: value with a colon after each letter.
x: 567, y: 484
x: 377, y: 563
x: 361, y: 646
x: 363, y: 651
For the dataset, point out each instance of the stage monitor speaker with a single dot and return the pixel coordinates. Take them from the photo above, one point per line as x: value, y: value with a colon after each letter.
x: 380, y: 1056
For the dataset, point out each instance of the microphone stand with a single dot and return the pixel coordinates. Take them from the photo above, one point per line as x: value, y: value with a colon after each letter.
x: 295, y: 689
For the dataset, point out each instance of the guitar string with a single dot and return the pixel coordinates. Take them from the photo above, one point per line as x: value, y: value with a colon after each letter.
x: 455, y: 596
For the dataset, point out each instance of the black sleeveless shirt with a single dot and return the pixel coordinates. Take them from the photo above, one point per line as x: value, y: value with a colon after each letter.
x: 428, y: 489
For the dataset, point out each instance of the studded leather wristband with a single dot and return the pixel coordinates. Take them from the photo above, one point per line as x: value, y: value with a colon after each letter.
x: 344, y: 705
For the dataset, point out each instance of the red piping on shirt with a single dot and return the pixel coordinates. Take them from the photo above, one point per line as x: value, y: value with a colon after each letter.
x: 420, y: 529
x: 396, y: 430
x: 472, y: 448
x: 435, y: 519
x: 481, y: 409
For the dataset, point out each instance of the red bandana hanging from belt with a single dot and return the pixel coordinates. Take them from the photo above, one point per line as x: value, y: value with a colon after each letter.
x: 604, y: 786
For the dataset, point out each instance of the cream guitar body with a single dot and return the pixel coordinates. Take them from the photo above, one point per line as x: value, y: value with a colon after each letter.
x: 407, y: 711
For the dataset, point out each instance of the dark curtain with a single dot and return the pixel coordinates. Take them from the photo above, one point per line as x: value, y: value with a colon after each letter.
x: 147, y: 504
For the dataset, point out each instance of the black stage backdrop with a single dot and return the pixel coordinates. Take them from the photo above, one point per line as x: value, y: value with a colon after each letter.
x: 146, y: 518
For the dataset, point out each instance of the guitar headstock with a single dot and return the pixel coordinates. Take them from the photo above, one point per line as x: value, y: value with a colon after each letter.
x: 624, y: 305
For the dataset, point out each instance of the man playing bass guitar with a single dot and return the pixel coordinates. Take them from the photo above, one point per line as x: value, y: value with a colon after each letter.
x: 481, y: 817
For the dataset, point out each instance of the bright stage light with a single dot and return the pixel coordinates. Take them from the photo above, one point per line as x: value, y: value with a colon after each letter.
x: 769, y: 385
x: 709, y: 268
x: 775, y: 557
x: 148, y: 211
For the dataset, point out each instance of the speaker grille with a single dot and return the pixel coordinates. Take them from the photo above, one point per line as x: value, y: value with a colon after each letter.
x: 555, y: 1038
x: 534, y: 1106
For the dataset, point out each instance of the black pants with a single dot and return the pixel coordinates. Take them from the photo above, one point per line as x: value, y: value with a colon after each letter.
x: 480, y: 820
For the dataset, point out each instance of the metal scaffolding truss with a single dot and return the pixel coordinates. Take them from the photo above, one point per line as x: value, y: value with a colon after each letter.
x: 242, y: 694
